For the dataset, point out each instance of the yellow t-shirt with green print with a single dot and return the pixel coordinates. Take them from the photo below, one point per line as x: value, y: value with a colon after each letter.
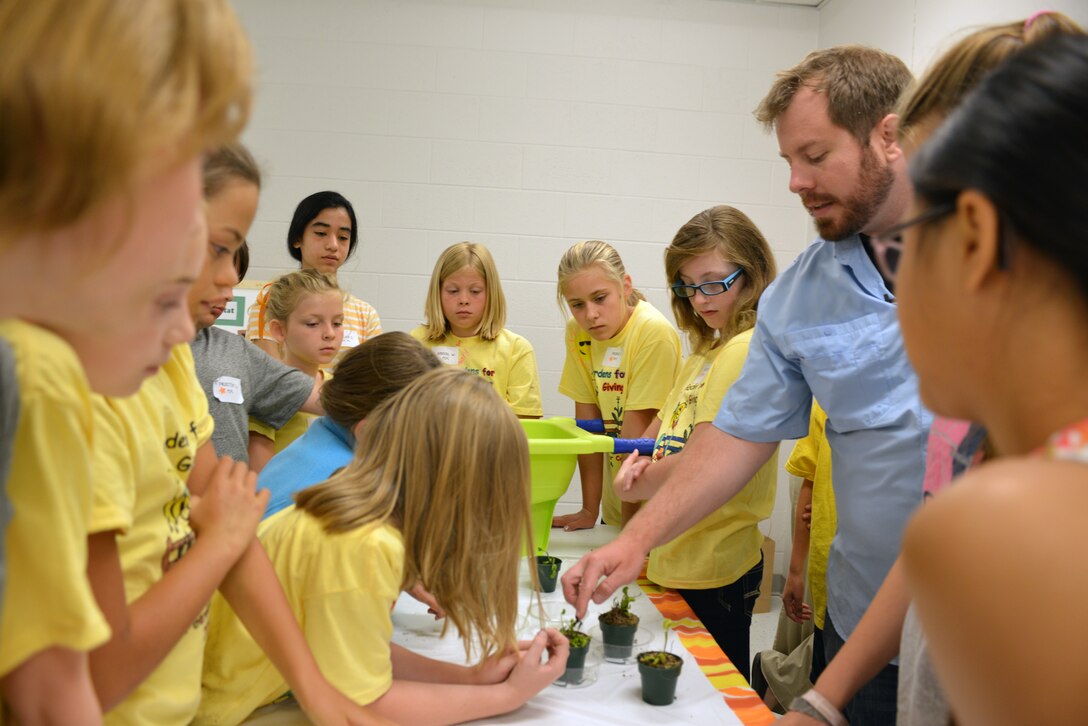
x: 634, y: 370
x: 727, y: 542
x: 47, y: 600
x: 145, y: 445
x: 507, y: 362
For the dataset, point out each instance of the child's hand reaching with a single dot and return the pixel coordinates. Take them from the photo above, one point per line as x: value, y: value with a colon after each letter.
x: 421, y: 593
x: 582, y: 519
x: 230, y: 508
x: 626, y: 482
x: 497, y: 668
x: 530, y: 676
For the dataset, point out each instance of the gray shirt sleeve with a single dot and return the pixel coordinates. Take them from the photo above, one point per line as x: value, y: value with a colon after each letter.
x: 269, y: 391
x: 276, y: 390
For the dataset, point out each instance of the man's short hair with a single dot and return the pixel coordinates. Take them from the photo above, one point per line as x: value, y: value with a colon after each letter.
x: 862, y: 86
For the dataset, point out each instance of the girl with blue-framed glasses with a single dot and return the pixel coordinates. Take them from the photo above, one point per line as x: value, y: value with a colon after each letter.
x: 718, y: 266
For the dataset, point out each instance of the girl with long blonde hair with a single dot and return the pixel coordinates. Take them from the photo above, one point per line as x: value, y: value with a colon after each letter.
x: 438, y: 494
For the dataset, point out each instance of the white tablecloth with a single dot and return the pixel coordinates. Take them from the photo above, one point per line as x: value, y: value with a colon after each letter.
x: 615, y: 696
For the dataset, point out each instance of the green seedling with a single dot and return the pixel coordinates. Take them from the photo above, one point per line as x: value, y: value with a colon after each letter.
x: 663, y: 658
x: 570, y: 629
x: 621, y: 614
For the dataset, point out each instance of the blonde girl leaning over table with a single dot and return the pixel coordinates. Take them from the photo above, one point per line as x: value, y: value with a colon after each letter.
x: 622, y: 360
x: 306, y: 317
x: 718, y: 266
x: 438, y: 493
x: 322, y: 235
x: 465, y: 317
x: 99, y: 208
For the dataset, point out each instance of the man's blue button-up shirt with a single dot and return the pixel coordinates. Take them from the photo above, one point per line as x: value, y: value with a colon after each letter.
x: 827, y: 328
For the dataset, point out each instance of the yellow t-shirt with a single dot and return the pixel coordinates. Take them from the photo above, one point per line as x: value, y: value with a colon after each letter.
x: 361, y: 322
x: 634, y: 370
x: 341, y: 587
x: 811, y: 459
x: 508, y: 362
x: 48, y: 600
x: 144, y: 448
x: 286, y: 434
x: 726, y: 543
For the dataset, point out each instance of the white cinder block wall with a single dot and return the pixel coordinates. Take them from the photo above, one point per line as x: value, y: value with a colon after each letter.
x: 919, y: 30
x: 526, y: 126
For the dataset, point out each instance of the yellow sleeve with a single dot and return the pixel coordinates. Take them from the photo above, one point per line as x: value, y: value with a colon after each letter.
x: 191, y: 393
x: 47, y: 598
x: 263, y: 429
x: 112, y: 466
x: 348, y: 624
x: 724, y: 372
x: 806, y: 452
x: 523, y: 384
x: 255, y: 319
x: 576, y: 381
x: 655, y: 365
x: 420, y: 333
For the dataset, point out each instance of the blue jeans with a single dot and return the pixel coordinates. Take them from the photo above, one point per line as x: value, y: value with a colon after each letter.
x: 726, y: 613
x: 875, y: 703
x: 819, y: 661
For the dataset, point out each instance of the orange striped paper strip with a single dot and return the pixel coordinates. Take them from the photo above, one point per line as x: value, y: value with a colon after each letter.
x: 723, y: 675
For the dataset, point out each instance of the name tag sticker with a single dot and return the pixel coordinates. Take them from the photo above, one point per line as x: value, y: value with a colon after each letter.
x: 228, y: 389
x: 612, y: 358
x: 702, y: 375
x: 447, y: 354
x: 351, y: 339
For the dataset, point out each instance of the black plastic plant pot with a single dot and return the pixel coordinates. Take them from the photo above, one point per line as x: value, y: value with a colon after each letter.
x: 619, y: 640
x: 576, y: 664
x: 659, y: 682
x: 547, y: 570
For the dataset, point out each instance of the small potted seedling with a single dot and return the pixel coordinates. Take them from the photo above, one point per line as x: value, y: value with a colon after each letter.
x: 579, y: 646
x: 660, y: 670
x: 618, y: 627
x: 547, y: 571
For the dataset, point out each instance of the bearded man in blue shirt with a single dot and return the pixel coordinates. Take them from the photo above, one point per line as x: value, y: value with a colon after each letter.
x: 827, y: 328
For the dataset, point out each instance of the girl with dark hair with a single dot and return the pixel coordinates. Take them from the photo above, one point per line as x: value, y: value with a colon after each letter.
x: 322, y: 236
x: 993, y: 261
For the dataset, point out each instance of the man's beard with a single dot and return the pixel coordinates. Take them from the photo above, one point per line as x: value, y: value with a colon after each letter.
x: 873, y: 187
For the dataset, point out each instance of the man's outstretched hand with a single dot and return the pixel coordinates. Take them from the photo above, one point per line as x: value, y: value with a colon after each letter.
x: 619, y: 562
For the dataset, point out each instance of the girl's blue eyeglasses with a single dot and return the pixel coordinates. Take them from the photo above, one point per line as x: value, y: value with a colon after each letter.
x: 709, y: 289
